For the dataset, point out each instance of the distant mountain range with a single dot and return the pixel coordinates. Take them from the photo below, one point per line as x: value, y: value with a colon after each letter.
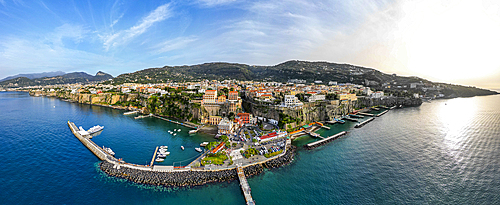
x: 302, y: 70
x: 35, y: 75
x: 75, y: 77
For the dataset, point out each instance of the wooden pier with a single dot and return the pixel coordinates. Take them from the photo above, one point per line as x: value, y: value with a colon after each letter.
x: 244, y: 186
x: 313, y: 145
x: 363, y: 123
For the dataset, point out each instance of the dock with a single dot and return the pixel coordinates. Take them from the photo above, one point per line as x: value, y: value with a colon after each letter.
x: 350, y: 119
x: 363, y: 123
x: 143, y: 116
x: 131, y: 112
x: 356, y: 116
x: 328, y: 128
x: 179, y: 123
x: 244, y: 186
x: 96, y: 150
x: 380, y: 114
x: 365, y: 114
x: 154, y: 157
x: 318, y: 143
x: 313, y: 134
x: 374, y: 108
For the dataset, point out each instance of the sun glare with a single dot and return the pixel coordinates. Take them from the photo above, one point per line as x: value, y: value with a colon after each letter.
x: 451, y: 41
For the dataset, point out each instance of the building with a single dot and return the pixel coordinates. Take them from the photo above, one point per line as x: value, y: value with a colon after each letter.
x: 210, y: 96
x: 347, y: 97
x: 226, y: 126
x: 244, y: 118
x: 367, y: 91
x: 377, y: 94
x: 214, y: 120
x: 221, y: 99
x: 292, y: 101
x: 315, y: 97
x: 233, y: 95
x: 272, y: 136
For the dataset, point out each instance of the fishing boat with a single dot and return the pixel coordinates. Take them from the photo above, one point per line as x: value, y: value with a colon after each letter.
x: 198, y: 149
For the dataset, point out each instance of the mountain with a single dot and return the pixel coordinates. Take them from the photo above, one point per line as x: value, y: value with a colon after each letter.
x: 303, y: 70
x: 35, y: 75
x: 75, y: 77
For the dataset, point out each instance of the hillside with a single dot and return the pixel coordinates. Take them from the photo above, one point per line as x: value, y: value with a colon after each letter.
x: 35, y: 75
x: 76, y: 77
x: 309, y: 71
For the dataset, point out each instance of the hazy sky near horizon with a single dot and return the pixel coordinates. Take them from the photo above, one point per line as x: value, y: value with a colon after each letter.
x: 454, y: 41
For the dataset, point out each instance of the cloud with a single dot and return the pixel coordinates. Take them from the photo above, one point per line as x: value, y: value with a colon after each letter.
x: 214, y: 2
x: 173, y: 44
x: 124, y: 36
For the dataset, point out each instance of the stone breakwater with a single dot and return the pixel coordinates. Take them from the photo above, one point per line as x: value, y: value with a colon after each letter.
x: 191, y: 178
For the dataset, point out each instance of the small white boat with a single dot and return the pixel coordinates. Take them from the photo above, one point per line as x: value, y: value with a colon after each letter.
x: 182, y: 147
x: 198, y: 149
x: 203, y: 144
x: 164, y: 147
x: 178, y: 130
x: 161, y: 155
x: 192, y: 131
x: 175, y: 134
x: 108, y: 150
x: 159, y: 159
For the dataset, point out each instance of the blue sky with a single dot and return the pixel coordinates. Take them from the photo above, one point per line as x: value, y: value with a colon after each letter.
x: 123, y: 36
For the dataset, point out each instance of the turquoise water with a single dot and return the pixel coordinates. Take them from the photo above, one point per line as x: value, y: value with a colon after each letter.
x: 444, y: 152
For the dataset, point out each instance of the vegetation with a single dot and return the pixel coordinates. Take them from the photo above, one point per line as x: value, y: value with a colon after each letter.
x: 272, y: 154
x: 217, y: 158
x: 249, y: 152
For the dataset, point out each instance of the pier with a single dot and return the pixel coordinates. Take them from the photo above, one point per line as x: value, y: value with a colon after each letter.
x: 143, y: 116
x: 244, y: 186
x: 363, y: 123
x: 382, y: 113
x: 313, y: 134
x: 179, y: 123
x: 131, y: 112
x: 356, y: 116
x: 350, y: 119
x: 154, y: 156
x: 366, y: 114
x: 318, y: 143
x: 328, y: 128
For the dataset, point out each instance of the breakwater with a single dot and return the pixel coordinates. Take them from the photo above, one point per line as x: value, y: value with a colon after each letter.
x: 363, y: 123
x: 192, y: 178
x: 318, y: 143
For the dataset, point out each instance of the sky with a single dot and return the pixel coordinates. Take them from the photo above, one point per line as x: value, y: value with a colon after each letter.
x: 454, y: 41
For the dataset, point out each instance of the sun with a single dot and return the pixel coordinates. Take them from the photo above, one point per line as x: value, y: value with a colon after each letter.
x: 452, y: 41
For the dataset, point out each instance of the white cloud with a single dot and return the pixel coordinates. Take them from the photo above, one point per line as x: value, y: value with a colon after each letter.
x: 214, y: 2
x: 173, y: 44
x: 124, y: 36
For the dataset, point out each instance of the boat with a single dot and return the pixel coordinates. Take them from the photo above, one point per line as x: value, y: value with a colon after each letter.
x: 192, y: 131
x: 203, y: 144
x: 164, y: 147
x: 161, y: 155
x: 182, y: 147
x: 95, y: 129
x: 159, y: 159
x: 198, y: 149
x: 108, y: 150
x: 164, y: 153
x: 175, y: 134
x: 178, y: 130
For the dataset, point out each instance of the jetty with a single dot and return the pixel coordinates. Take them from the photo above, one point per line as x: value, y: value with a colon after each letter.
x: 374, y: 108
x: 244, y: 186
x: 365, y: 114
x: 328, y: 128
x: 154, y: 157
x: 363, y: 123
x: 318, y: 143
x: 179, y: 123
x: 131, y: 112
x: 143, y: 116
x: 380, y: 114
x: 313, y: 134
x: 356, y: 116
x: 350, y: 119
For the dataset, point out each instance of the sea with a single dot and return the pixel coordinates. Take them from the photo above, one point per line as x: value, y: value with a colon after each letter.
x: 443, y: 152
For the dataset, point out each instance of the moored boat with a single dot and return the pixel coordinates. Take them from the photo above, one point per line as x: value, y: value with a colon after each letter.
x: 95, y: 129
x: 198, y: 149
x: 159, y: 159
x: 182, y: 147
x: 203, y: 144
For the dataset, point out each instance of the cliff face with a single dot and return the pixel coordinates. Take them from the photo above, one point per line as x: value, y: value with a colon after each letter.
x: 324, y: 111
x: 102, y: 98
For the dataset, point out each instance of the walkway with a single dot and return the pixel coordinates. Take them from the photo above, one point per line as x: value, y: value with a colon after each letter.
x: 244, y: 186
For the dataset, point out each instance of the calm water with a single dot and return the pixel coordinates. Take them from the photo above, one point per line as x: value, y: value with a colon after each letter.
x: 444, y: 152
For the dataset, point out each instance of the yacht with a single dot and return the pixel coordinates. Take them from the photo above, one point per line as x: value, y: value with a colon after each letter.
x: 198, y: 149
x: 108, y: 150
x: 95, y: 129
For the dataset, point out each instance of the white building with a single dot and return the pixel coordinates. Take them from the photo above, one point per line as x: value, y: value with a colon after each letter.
x: 332, y: 83
x: 226, y: 126
x: 314, y: 98
x: 292, y: 101
x: 367, y: 91
x: 377, y: 94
